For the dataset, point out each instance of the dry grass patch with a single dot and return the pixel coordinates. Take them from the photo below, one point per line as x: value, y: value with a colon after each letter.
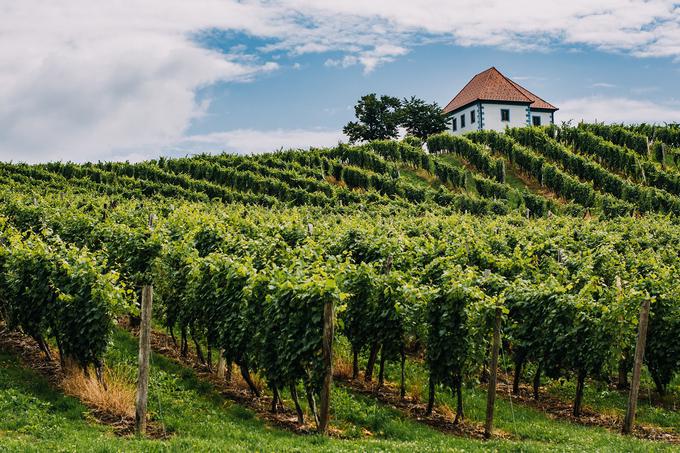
x: 414, y: 391
x: 342, y: 367
x: 118, y: 398
x: 446, y: 412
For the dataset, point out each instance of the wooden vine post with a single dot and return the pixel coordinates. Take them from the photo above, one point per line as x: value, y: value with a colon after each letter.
x: 491, y: 394
x: 144, y: 353
x: 637, y: 366
x: 327, y: 346
x: 221, y: 365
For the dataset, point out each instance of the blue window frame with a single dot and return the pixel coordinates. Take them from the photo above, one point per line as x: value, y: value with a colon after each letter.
x: 454, y: 124
x: 472, y: 117
x: 462, y: 121
x: 505, y: 114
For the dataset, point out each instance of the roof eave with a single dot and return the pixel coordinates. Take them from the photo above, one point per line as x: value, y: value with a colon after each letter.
x: 487, y: 101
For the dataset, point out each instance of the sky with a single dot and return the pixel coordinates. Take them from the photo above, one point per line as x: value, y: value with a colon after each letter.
x: 90, y: 80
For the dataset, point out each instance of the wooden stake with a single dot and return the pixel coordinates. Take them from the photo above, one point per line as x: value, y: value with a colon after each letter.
x: 144, y: 352
x: 221, y: 365
x: 327, y: 346
x: 491, y: 394
x: 637, y: 367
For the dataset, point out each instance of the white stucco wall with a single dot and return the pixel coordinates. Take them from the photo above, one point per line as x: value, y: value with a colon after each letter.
x: 468, y: 125
x: 545, y: 117
x: 491, y: 114
x: 488, y: 116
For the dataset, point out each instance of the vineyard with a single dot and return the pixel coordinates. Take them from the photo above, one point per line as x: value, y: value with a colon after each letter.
x: 388, y: 264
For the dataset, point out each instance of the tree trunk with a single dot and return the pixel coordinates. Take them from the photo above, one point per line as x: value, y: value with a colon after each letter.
x: 172, y: 336
x: 312, y: 405
x: 622, y: 382
x: 44, y: 347
x: 484, y: 376
x: 402, y: 385
x: 430, y: 397
x: 580, y: 384
x: 460, y: 416
x: 519, y: 365
x: 275, y: 399
x: 381, y: 370
x: 184, y: 348
x: 660, y: 386
x: 62, y: 359
x: 296, y: 401
x: 537, y: 380
x: 355, y: 363
x: 99, y: 372
x: 246, y: 377
x: 210, y: 363
x: 368, y: 376
x: 199, y: 351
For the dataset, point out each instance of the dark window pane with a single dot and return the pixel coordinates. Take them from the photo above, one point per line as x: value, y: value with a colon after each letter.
x: 536, y: 120
x: 472, y: 117
x: 505, y: 115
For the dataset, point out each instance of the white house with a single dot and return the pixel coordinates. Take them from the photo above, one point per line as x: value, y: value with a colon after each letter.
x: 492, y: 101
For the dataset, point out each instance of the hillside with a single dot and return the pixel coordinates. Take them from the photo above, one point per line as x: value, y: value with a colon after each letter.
x: 561, y: 233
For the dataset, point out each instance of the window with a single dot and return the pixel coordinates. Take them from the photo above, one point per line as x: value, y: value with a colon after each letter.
x: 472, y: 117
x: 462, y: 121
x: 454, y: 124
x: 536, y: 120
x: 505, y: 115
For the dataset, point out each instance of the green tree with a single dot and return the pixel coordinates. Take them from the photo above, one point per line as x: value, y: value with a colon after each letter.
x: 421, y: 119
x: 378, y: 119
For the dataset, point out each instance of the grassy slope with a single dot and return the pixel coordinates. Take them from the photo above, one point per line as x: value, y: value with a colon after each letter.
x: 36, y: 418
x: 605, y: 400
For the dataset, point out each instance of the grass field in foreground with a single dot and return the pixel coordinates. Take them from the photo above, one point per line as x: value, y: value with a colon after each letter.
x: 35, y: 417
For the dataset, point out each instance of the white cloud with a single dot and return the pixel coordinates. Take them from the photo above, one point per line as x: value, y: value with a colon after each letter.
x: 603, y: 85
x: 644, y: 28
x: 616, y: 110
x: 370, y: 59
x: 645, y: 90
x: 82, y: 79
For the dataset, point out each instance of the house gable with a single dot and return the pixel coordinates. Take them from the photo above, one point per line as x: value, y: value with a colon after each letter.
x: 499, y: 103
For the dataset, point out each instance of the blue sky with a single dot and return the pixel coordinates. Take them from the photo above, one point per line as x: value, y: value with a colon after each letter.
x: 314, y: 95
x: 82, y: 80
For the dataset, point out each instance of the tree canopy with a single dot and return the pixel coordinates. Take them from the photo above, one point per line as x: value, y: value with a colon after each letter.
x: 421, y: 119
x: 378, y: 118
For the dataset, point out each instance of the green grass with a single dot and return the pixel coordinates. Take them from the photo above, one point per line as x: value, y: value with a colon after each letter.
x: 513, y: 180
x: 37, y: 418
x: 603, y: 399
x: 412, y: 176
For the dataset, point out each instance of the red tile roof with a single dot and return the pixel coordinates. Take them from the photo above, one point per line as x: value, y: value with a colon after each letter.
x: 491, y: 85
